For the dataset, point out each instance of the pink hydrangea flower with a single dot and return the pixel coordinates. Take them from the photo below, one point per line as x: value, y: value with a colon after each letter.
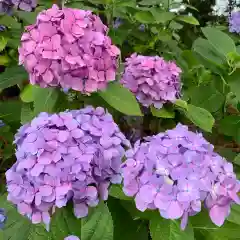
x: 73, y: 155
x: 175, y: 172
x: 153, y: 80
x: 69, y: 48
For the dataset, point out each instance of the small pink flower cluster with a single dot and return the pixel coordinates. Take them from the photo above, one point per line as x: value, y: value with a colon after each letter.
x: 69, y: 48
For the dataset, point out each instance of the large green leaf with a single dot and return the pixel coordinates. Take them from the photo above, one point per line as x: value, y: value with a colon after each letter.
x: 121, y: 99
x: 200, y: 117
x: 117, y: 192
x: 237, y: 159
x: 235, y: 214
x: 162, y: 17
x: 44, y: 99
x: 206, y: 50
x: 187, y: 19
x: 219, y: 40
x: 230, y: 126
x: 144, y: 17
x: 124, y: 226
x: 165, y: 229
x: 27, y: 94
x: 12, y: 76
x: 234, y: 83
x: 10, y: 111
x: 27, y: 17
x: 10, y: 22
x: 17, y: 227
x: 3, y: 42
x: 163, y: 112
x: 26, y: 113
x: 98, y: 225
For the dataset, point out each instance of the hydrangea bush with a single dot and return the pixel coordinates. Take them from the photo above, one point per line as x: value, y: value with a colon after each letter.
x: 118, y: 120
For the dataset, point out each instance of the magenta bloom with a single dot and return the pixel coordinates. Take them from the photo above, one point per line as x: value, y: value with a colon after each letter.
x: 73, y: 155
x: 175, y: 172
x: 153, y: 80
x: 69, y: 48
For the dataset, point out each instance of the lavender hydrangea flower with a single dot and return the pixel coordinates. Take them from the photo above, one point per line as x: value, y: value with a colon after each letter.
x: 175, y: 172
x: 2, y: 218
x: 25, y: 5
x: 234, y: 22
x: 142, y: 27
x: 69, y: 48
x: 153, y: 80
x: 117, y: 23
x: 71, y: 238
x: 6, y: 6
x: 73, y: 155
x: 2, y: 123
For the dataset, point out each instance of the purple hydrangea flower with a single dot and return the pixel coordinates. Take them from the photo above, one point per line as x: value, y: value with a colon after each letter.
x: 6, y: 6
x: 3, y: 218
x: 152, y: 80
x: 175, y: 172
x: 72, y: 238
x: 69, y: 48
x: 234, y: 22
x: 73, y: 155
x: 25, y: 5
x: 142, y: 27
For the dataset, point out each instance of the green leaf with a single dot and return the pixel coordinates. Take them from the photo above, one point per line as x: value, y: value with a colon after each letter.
x: 187, y: 19
x: 230, y: 126
x: 200, y: 117
x: 162, y: 113
x: 124, y: 226
x: 27, y: 17
x: 162, y: 17
x: 234, y: 83
x: 166, y: 229
x: 27, y: 93
x: 17, y: 227
x: 150, y: 2
x: 10, y: 22
x: 98, y: 225
x: 206, y: 50
x: 3, y: 42
x: 207, y: 97
x: 237, y: 160
x: 219, y: 40
x: 5, y: 60
x: 10, y: 111
x: 235, y: 213
x: 121, y: 99
x: 44, y: 99
x: 117, y: 192
x: 181, y: 103
x: 12, y: 76
x: 144, y: 17
x: 26, y: 113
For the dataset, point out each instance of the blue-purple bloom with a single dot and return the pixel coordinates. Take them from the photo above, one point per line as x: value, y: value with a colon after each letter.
x: 175, y: 172
x: 234, y: 22
x: 117, y: 23
x: 3, y: 218
x: 72, y: 237
x: 142, y: 27
x: 73, y: 155
x: 6, y: 6
x: 2, y: 123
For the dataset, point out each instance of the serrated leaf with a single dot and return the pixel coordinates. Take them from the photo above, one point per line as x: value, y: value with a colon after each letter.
x: 12, y: 76
x: 10, y: 22
x: 181, y: 103
x: 162, y: 113
x: 200, y: 117
x: 187, y: 19
x: 166, y: 229
x: 144, y: 17
x: 44, y: 99
x: 121, y: 99
x: 26, y: 113
x: 98, y: 225
x: 117, y: 192
x: 219, y: 40
x: 27, y: 94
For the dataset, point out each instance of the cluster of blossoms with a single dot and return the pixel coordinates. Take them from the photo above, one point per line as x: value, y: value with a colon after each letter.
x: 175, y: 172
x: 69, y: 48
x: 234, y: 22
x: 2, y: 218
x: 73, y: 155
x: 152, y: 80
x: 71, y: 238
x: 2, y: 123
x: 25, y: 5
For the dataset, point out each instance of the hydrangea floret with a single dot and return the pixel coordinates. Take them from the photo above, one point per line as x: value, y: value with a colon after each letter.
x: 72, y: 237
x: 2, y: 218
x: 153, y: 80
x: 73, y: 155
x: 69, y: 48
x: 175, y: 172
x: 234, y: 22
x: 6, y: 6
